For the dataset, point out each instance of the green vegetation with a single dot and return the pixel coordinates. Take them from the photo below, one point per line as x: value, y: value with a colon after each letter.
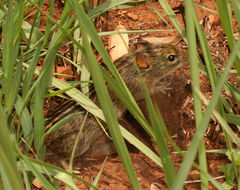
x: 22, y: 98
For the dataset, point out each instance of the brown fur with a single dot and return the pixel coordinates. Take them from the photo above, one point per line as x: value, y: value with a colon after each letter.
x: 155, y: 63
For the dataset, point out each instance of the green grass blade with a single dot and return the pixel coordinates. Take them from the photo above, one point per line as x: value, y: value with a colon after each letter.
x: 158, y: 123
x: 224, y: 9
x: 41, y: 90
x: 130, y: 105
x: 211, y: 73
x: 191, y: 153
x: 9, y: 56
x: 108, y: 110
x: 105, y: 6
x: 222, y: 120
x: 82, y: 17
x: 8, y: 169
x: 37, y: 173
x: 38, y: 122
x: 31, y: 31
x: 67, y: 179
x: 192, y: 54
x: 99, y: 174
x: 42, y: 167
x: 235, y: 92
x: 131, y: 32
x: 19, y: 8
x: 225, y: 12
x: 236, y: 8
x: 232, y: 118
x: 203, y: 8
x: 172, y: 16
x: 25, y: 119
x: 57, y: 125
x: 30, y: 72
x: 49, y: 24
x: 140, y: 146
x: 26, y: 32
x: 26, y: 180
x: 99, y: 46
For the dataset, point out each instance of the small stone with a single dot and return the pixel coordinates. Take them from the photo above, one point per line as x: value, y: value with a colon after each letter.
x: 132, y: 16
x: 195, y: 175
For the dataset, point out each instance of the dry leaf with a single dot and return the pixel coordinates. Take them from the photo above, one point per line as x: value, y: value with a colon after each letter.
x: 118, y: 44
x: 173, y: 40
x: 37, y: 183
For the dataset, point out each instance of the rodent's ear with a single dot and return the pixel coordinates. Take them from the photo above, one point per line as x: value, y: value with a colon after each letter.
x: 143, y: 60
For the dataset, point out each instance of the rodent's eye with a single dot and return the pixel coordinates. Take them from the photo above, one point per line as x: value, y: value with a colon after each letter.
x: 171, y: 58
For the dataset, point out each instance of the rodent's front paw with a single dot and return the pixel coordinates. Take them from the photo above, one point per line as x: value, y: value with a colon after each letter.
x: 163, y: 88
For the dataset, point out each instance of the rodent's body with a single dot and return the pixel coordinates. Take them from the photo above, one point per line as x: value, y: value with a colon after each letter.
x: 155, y: 63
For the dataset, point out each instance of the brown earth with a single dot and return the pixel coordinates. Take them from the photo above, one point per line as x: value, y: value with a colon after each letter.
x: 176, y: 105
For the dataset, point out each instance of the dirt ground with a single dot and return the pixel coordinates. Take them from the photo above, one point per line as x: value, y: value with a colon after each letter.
x: 176, y: 105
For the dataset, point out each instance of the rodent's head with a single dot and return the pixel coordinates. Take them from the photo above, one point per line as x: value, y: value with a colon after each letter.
x: 160, y: 60
x: 155, y: 63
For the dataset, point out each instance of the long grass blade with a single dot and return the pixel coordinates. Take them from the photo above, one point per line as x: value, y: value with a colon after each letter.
x: 191, y: 153
x: 108, y: 111
x: 10, y: 176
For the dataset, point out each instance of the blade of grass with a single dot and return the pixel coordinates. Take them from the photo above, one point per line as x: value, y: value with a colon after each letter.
x: 67, y: 179
x: 191, y: 153
x: 157, y: 123
x: 49, y: 24
x: 142, y: 147
x: 172, y: 16
x: 108, y: 110
x: 105, y: 6
x: 235, y: 92
x: 37, y: 173
x: 221, y: 120
x: 41, y: 167
x: 99, y: 174
x: 33, y: 29
x: 30, y: 72
x: 43, y: 85
x: 225, y: 12
x: 236, y: 8
x: 211, y: 73
x: 131, y: 32
x: 77, y: 140
x: 8, y: 169
x: 192, y: 55
x: 121, y: 94
x: 25, y: 119
x: 38, y: 123
x: 234, y: 119
x: 26, y: 179
x: 9, y: 57
x: 202, y: 7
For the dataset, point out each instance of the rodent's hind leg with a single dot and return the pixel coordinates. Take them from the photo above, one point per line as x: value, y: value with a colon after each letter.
x: 103, y: 146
